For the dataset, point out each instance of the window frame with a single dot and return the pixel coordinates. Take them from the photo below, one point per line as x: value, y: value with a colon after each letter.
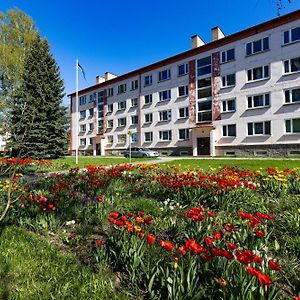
x: 261, y: 45
x: 263, y: 72
x: 122, y: 88
x: 169, y: 95
x: 226, y: 56
x: 168, y: 113
x: 290, y: 91
x: 224, y: 79
x: 185, y: 69
x: 150, y: 78
x: 186, y: 91
x: 225, y: 128
x: 134, y: 84
x: 289, y: 31
x: 226, y: 105
x: 185, y: 114
x: 186, y: 134
x: 264, y: 101
x: 150, y: 118
x: 120, y: 106
x: 264, y: 129
x: 291, y: 126
x: 120, y: 121
x: 164, y: 75
x: 150, y: 135
x: 150, y: 99
x: 134, y: 102
x: 289, y: 61
x: 161, y: 135
x: 134, y: 120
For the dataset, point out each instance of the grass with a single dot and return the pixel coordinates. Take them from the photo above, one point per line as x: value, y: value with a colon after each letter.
x: 32, y: 268
x: 86, y: 160
x: 249, y: 164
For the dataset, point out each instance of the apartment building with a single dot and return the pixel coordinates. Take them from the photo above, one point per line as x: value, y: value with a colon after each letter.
x: 237, y: 95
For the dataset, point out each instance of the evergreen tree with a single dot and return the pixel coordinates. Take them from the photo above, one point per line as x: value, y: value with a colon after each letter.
x: 38, y: 119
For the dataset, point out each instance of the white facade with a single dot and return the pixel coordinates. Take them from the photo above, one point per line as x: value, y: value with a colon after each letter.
x: 177, y: 111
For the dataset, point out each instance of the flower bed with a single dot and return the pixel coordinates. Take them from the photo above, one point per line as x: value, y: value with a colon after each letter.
x: 230, y: 234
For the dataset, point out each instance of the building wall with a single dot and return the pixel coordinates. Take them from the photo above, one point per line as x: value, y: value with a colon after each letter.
x: 277, y: 143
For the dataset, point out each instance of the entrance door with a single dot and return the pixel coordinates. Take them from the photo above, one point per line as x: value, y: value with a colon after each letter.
x: 203, y: 146
x: 98, y: 149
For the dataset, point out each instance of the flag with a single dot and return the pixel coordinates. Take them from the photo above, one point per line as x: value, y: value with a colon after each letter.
x: 81, y: 68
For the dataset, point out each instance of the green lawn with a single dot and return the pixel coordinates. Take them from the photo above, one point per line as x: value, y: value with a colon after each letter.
x: 88, y: 160
x: 251, y: 164
x: 32, y: 268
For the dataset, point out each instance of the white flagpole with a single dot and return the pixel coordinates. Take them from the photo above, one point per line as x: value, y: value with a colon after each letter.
x: 76, y: 115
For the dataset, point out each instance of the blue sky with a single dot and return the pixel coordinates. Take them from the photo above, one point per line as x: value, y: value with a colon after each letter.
x: 120, y: 36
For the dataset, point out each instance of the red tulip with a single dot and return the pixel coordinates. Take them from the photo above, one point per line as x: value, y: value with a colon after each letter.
x: 99, y: 243
x: 274, y: 266
x: 208, y: 241
x: 217, y: 236
x: 264, y: 279
x: 231, y: 246
x: 150, y: 239
x: 260, y: 233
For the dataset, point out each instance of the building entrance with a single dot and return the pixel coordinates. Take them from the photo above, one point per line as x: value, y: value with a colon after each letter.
x: 203, y: 146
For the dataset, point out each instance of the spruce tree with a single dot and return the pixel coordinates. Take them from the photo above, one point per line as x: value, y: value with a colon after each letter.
x: 38, y: 119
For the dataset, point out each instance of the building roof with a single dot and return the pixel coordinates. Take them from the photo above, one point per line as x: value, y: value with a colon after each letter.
x: 215, y: 44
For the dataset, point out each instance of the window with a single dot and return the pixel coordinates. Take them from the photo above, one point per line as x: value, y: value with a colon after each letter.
x: 82, y: 100
x: 228, y: 80
x: 292, y: 126
x: 204, y: 88
x: 183, y: 69
x: 257, y: 46
x: 122, y: 88
x: 204, y: 105
x: 204, y: 116
x: 262, y: 100
x: 134, y: 120
x: 100, y: 97
x: 258, y: 73
x: 148, y: 80
x: 134, y: 84
x: 183, y: 112
x: 292, y: 96
x: 184, y: 134
x: 165, y: 115
x: 134, y: 102
x: 291, y: 65
x: 100, y: 123
x: 110, y: 123
x: 122, y: 122
x: 91, y: 98
x: 229, y: 130
x: 122, y: 138
x: 110, y: 107
x: 165, y: 135
x: 82, y: 128
x: 82, y: 142
x: 122, y: 105
x: 259, y: 128
x: 82, y: 114
x: 148, y: 99
x: 110, y: 139
x: 148, y: 136
x: 228, y: 105
x: 204, y: 66
x: 164, y: 75
x: 91, y: 126
x: 292, y: 35
x: 183, y: 91
x: 227, y: 55
x: 90, y: 141
x: 110, y: 92
x: 91, y: 112
x: 148, y: 118
x: 165, y: 95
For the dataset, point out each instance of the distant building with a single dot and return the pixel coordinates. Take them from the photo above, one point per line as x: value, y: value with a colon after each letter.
x: 3, y: 139
x: 237, y: 95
